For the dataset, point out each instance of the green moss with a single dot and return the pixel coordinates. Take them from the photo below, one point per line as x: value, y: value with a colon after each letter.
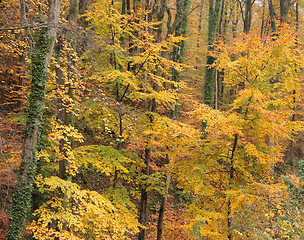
x: 214, y: 13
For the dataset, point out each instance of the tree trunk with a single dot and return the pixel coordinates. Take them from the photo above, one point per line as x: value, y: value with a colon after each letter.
x: 297, y: 17
x: 284, y: 8
x: 123, y: 7
x: 45, y: 39
x: 231, y: 178
x: 214, y: 14
x: 293, y: 118
x: 248, y: 15
x: 144, y: 198
x: 182, y: 7
x: 263, y: 21
x: 160, y: 17
x: 162, y: 207
x: 272, y: 16
x: 200, y: 18
x: 234, y: 25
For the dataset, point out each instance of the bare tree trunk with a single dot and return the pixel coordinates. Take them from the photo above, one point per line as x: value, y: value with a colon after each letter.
x: 263, y: 20
x: 216, y: 94
x: 293, y: 118
x: 284, y: 9
x: 231, y: 179
x: 297, y: 17
x: 45, y: 39
x: 200, y: 19
x: 234, y: 25
x: 272, y: 16
x: 163, y: 204
x: 248, y: 15
x: 144, y: 198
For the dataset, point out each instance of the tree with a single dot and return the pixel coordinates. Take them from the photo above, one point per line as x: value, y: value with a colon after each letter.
x: 141, y: 76
x: 263, y: 106
x: 44, y: 44
x: 181, y: 18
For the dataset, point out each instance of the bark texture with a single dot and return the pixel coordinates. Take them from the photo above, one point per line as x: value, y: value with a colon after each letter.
x: 214, y: 14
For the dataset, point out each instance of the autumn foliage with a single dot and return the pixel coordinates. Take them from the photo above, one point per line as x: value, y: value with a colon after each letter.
x: 124, y: 146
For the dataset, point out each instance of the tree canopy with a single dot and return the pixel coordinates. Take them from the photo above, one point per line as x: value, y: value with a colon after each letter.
x: 151, y: 120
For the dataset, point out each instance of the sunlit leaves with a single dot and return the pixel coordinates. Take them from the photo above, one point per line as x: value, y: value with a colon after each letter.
x: 244, y: 142
x: 86, y: 214
x: 54, y: 152
x: 128, y: 60
x: 104, y: 159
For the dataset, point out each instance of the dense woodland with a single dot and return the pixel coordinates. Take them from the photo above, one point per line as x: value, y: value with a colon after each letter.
x: 156, y: 119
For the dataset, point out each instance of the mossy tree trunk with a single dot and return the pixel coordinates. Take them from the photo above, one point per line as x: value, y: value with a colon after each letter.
x: 44, y: 44
x: 214, y: 14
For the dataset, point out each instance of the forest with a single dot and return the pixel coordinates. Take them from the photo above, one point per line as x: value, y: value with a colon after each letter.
x: 151, y: 120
